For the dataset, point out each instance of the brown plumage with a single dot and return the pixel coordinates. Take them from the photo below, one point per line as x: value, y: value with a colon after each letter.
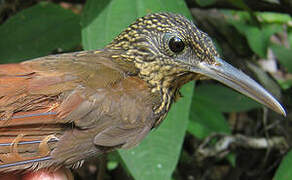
x: 61, y: 109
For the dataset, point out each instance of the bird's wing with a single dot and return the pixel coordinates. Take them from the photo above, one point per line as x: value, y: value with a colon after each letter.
x: 54, y: 107
x: 54, y: 85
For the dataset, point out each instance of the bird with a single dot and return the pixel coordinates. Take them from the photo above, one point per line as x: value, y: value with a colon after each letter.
x: 59, y: 110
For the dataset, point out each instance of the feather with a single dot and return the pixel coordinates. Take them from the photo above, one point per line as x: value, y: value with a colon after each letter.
x: 61, y: 109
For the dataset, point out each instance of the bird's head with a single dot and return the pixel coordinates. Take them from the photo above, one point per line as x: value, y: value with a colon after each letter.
x: 169, y: 50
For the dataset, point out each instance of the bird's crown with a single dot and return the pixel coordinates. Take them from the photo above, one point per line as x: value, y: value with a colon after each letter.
x: 165, y: 36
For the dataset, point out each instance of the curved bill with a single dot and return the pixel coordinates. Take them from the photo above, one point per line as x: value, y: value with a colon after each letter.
x: 234, y: 78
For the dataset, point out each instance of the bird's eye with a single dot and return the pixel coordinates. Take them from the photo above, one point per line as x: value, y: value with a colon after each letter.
x: 176, y: 45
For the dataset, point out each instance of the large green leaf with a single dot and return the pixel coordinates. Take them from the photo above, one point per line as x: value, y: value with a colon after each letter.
x: 223, y: 99
x: 205, y: 120
x: 284, y: 56
x: 156, y: 157
x: 104, y: 19
x: 209, y: 101
x: 37, y: 31
x: 258, y: 38
x: 284, y: 171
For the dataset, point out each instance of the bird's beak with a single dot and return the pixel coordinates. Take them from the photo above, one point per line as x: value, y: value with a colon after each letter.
x: 234, y: 78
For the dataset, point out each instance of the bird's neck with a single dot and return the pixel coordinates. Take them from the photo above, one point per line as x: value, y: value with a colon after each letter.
x: 165, y: 80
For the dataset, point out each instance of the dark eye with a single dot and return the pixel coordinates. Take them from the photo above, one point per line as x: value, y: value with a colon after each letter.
x: 176, y: 45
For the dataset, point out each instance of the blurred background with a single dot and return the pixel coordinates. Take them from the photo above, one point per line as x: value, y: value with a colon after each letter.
x: 212, y: 133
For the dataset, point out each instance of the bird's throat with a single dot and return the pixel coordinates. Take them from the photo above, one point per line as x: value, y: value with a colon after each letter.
x: 165, y: 80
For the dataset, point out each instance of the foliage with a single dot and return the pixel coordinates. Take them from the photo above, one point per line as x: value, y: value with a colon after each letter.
x: 47, y: 28
x: 36, y: 32
x: 284, y: 171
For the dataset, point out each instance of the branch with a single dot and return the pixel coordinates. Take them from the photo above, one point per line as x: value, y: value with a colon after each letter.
x: 283, y: 6
x: 224, y: 142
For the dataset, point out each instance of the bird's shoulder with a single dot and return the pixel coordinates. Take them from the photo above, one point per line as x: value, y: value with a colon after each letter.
x: 95, y: 69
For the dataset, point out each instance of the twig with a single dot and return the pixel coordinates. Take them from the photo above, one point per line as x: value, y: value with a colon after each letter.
x: 224, y: 142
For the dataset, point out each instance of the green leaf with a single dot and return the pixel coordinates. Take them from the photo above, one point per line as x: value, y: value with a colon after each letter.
x: 37, y: 31
x: 284, y: 171
x: 234, y: 16
x: 205, y: 120
x: 290, y: 38
x: 156, y: 157
x: 271, y: 17
x: 257, y: 38
x: 205, y: 2
x: 104, y: 19
x: 223, y: 99
x: 113, y: 160
x: 285, y: 84
x: 111, y: 165
x: 231, y: 157
x: 284, y: 56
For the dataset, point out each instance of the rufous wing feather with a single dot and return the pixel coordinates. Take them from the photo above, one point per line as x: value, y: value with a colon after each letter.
x: 58, y: 110
x: 28, y: 128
